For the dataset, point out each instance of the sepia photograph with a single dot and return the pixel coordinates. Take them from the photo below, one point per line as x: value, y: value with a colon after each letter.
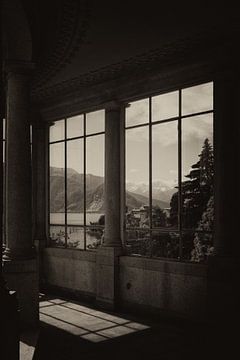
x: 119, y: 183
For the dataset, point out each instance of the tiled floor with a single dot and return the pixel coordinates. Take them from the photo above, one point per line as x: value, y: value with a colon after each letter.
x: 71, y: 330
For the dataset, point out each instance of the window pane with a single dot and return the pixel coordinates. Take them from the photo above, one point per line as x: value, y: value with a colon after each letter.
x: 138, y: 242
x: 56, y: 131
x: 165, y: 244
x: 75, y: 182
x: 165, y: 106
x: 57, y: 235
x: 197, y: 98
x: 94, y: 179
x: 137, y: 177
x: 197, y: 167
x: 57, y: 180
x: 137, y: 112
x: 75, y: 237
x: 95, y: 122
x: 94, y: 237
x: 164, y: 174
x: 75, y: 126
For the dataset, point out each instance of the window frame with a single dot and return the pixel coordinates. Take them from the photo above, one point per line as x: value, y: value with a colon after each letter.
x: 65, y: 141
x: 180, y: 229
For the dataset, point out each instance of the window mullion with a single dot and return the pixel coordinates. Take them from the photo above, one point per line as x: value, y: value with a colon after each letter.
x: 65, y: 182
x: 150, y: 167
x: 84, y: 180
x: 180, y: 176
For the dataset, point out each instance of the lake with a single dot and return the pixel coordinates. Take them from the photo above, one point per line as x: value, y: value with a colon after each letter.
x: 75, y: 234
x: 74, y: 218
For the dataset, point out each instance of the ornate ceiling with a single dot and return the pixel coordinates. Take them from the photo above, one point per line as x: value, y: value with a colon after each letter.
x: 77, y: 43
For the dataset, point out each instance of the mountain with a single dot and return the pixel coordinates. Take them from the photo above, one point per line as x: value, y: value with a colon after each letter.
x: 160, y: 190
x: 94, y: 193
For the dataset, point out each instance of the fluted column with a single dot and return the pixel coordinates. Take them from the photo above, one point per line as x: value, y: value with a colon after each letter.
x: 112, y: 175
x: 18, y: 166
x: 108, y: 254
x: 19, y: 259
x: 223, y: 268
x: 226, y: 138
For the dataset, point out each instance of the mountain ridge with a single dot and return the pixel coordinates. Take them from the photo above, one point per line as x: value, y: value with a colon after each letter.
x: 94, y: 193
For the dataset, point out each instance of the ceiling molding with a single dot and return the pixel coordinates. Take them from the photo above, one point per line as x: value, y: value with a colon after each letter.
x: 75, y: 15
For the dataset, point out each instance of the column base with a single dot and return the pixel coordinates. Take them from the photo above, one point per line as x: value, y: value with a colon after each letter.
x: 19, y: 254
x: 22, y: 276
x: 107, y: 271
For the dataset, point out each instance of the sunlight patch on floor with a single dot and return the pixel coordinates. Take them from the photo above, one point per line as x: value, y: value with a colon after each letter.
x: 89, y: 324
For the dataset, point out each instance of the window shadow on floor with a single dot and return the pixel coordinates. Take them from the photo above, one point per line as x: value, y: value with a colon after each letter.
x: 72, y: 330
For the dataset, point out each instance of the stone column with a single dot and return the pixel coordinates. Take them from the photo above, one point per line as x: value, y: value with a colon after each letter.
x: 109, y: 253
x: 226, y: 144
x: 19, y: 260
x: 39, y: 160
x: 223, y: 268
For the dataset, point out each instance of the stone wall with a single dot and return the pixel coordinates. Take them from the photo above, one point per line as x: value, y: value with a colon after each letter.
x: 170, y: 287
x: 178, y: 289
x: 71, y: 270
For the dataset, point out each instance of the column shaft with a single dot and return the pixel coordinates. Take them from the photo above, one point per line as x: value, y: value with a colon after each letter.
x: 226, y: 144
x: 18, y: 169
x: 112, y: 177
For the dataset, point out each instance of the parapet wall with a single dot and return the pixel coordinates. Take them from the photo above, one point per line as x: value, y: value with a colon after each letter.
x: 170, y: 287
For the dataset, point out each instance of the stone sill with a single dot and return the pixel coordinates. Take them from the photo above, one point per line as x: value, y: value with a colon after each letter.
x: 165, y: 266
x: 84, y: 255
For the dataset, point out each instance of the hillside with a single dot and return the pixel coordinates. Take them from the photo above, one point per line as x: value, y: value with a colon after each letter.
x: 94, y: 193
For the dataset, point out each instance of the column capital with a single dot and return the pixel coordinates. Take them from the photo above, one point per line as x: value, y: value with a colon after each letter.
x: 13, y: 67
x: 115, y: 105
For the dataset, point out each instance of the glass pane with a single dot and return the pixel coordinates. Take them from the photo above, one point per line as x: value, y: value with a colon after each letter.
x: 94, y: 178
x: 75, y: 182
x: 57, y: 179
x: 75, y: 237
x: 56, y: 131
x: 137, y: 112
x: 138, y: 242
x: 57, y: 235
x: 94, y: 237
x: 165, y: 244
x: 165, y: 106
x: 164, y: 174
x: 95, y: 122
x: 75, y: 126
x: 137, y: 177
x: 197, y: 167
x: 197, y: 98
x: 202, y: 238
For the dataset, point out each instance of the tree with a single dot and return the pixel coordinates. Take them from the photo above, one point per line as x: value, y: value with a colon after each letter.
x: 197, y: 190
x: 203, y: 241
x: 197, y: 209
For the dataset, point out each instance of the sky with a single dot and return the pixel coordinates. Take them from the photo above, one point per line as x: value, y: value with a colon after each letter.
x: 164, y: 137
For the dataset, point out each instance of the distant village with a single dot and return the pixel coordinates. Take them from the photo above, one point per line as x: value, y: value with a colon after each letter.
x: 140, y: 217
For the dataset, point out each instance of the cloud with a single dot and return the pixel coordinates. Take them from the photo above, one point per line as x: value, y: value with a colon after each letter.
x: 195, y: 128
